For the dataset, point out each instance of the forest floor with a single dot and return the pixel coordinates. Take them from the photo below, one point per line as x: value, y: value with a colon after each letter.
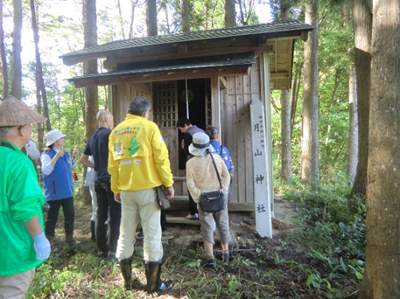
x: 259, y: 267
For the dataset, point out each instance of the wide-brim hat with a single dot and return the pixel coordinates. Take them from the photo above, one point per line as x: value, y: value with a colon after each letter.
x: 13, y: 112
x: 200, y: 145
x: 52, y: 136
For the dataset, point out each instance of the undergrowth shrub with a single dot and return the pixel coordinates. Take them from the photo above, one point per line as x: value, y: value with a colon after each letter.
x: 333, y: 226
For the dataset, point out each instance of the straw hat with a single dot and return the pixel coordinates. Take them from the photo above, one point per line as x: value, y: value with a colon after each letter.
x: 200, y: 145
x: 15, y: 113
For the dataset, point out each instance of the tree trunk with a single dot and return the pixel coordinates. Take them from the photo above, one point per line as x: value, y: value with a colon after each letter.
x: 353, y: 125
x: 41, y: 89
x: 362, y: 23
x: 310, y: 150
x: 185, y: 16
x: 382, y: 271
x: 134, y: 3
x: 4, y: 70
x: 295, y: 96
x: 286, y: 135
x: 16, y: 68
x: 151, y: 17
x: 90, y: 67
x: 230, y: 13
x: 121, y: 22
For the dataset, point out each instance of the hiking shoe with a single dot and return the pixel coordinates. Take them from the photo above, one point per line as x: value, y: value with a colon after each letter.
x: 139, y: 235
x: 210, y: 264
x: 225, y: 257
x: 102, y: 254
x: 112, y: 257
x: 192, y: 217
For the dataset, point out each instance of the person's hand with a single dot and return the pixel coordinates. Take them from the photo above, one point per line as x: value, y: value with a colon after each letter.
x: 183, y: 144
x: 75, y: 152
x: 42, y: 246
x: 117, y: 197
x: 169, y: 192
x: 61, y: 152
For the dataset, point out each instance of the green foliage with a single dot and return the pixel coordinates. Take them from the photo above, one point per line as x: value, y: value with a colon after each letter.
x: 334, y: 229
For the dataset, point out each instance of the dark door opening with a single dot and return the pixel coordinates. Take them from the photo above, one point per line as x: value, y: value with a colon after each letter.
x: 199, y: 98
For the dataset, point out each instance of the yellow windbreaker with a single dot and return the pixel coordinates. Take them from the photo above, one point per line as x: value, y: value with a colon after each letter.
x: 138, y: 157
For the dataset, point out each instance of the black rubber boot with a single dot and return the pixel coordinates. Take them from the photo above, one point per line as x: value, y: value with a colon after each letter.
x: 93, y: 228
x: 126, y: 270
x: 153, y: 275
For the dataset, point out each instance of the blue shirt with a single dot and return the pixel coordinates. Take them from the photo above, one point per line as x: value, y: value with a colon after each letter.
x: 225, y: 155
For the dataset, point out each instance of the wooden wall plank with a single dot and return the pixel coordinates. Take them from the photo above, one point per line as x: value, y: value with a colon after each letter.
x: 240, y: 116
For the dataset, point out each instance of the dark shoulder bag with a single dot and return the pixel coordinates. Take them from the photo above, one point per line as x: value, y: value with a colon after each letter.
x: 214, y: 201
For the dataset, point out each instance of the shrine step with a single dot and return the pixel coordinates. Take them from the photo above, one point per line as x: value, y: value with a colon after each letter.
x: 181, y: 220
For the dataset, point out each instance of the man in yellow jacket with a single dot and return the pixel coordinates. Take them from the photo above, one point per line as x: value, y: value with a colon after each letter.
x: 138, y: 162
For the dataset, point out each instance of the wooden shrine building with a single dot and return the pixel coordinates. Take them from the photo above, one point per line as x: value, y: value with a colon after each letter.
x: 212, y: 76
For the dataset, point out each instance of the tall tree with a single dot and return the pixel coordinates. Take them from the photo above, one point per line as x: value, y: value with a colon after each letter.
x: 185, y: 16
x: 382, y: 272
x: 4, y: 68
x: 353, y: 118
x: 151, y: 17
x: 40, y: 87
x: 362, y: 24
x: 286, y: 143
x: 90, y: 67
x: 246, y: 9
x: 353, y: 124
x: 134, y: 3
x: 16, y: 66
x: 310, y: 150
x: 230, y: 13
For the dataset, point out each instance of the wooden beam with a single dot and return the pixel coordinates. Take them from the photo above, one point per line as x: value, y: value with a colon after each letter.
x: 262, y: 41
x: 304, y: 36
x: 222, y: 83
x: 280, y: 75
x: 182, y: 49
x: 164, y: 77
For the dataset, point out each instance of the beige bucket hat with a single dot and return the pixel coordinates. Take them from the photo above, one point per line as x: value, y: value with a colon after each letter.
x: 15, y: 113
x: 200, y: 145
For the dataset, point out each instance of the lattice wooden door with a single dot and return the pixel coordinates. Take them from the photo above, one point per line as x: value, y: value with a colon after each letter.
x: 165, y: 115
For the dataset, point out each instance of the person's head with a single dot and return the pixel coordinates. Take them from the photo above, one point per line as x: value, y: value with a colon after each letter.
x: 15, y: 121
x: 213, y: 133
x: 183, y: 124
x: 105, y: 119
x: 200, y: 145
x: 139, y: 106
x: 55, y: 139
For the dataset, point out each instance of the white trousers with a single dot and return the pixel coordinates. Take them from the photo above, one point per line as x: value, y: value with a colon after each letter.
x: 94, y: 202
x: 136, y: 207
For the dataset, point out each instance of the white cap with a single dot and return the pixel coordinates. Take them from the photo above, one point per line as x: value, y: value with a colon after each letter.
x: 52, y: 136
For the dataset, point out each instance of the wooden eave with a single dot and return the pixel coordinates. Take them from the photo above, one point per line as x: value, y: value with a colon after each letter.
x: 170, y: 76
x: 194, y: 48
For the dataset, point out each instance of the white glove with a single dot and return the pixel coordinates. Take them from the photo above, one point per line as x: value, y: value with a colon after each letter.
x: 42, y: 246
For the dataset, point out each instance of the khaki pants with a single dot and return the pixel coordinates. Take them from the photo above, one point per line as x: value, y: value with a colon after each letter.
x: 222, y: 221
x: 15, y: 286
x: 140, y: 206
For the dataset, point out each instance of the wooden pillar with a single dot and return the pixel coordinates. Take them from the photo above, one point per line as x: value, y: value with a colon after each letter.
x: 216, y: 102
